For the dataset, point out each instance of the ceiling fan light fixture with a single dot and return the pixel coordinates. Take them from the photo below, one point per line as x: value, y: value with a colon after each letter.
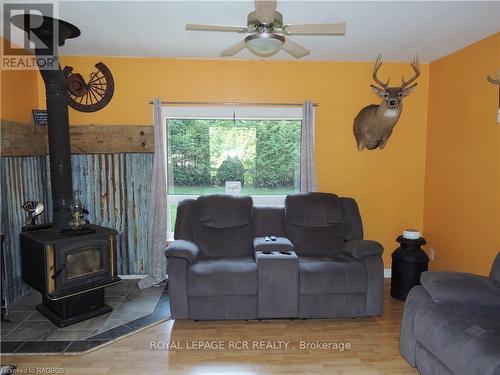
x: 264, y: 44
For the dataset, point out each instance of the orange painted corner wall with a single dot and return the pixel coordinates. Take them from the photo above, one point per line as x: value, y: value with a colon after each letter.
x: 388, y: 185
x: 18, y: 93
x: 462, y: 181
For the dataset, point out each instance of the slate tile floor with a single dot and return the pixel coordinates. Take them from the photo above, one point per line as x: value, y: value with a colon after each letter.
x: 28, y: 331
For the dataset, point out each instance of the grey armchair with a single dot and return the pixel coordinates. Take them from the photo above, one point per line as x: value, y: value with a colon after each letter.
x: 451, y: 324
x: 332, y: 272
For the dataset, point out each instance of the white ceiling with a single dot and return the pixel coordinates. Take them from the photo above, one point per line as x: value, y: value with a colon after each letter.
x: 397, y: 29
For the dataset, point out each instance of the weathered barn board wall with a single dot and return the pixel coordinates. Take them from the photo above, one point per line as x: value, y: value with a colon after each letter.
x: 20, y: 139
x: 115, y: 188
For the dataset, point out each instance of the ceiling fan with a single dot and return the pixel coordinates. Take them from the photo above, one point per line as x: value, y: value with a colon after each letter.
x: 268, y: 34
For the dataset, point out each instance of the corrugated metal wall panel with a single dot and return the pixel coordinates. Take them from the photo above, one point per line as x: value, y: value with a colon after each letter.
x: 139, y: 174
x: 115, y: 188
x: 22, y: 180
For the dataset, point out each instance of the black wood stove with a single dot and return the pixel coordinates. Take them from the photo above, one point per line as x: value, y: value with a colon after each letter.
x: 70, y: 268
x: 70, y: 271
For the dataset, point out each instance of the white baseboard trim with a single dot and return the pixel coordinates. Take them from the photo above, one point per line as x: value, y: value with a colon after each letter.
x: 387, y: 273
x: 127, y: 277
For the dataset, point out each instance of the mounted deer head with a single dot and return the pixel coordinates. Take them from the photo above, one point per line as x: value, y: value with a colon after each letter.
x: 374, y: 123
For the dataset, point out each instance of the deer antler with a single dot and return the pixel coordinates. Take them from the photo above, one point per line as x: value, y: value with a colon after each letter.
x: 376, y: 67
x: 416, y: 67
x: 494, y: 81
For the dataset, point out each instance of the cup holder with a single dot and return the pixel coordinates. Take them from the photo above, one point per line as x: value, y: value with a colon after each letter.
x: 285, y: 252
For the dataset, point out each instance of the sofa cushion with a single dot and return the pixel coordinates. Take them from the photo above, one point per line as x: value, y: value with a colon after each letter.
x: 222, y: 277
x: 465, y: 339
x: 268, y: 221
x: 184, y: 221
x: 223, y: 226
x: 314, y: 223
x: 353, y: 227
x: 331, y: 275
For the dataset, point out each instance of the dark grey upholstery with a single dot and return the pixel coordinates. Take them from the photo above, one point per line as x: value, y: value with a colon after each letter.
x: 462, y: 289
x: 223, y: 226
x: 416, y: 299
x: 223, y: 277
x: 213, y: 273
x: 451, y: 324
x: 281, y: 244
x: 177, y: 269
x: 466, y: 339
x: 269, y: 221
x: 359, y: 249
x: 314, y: 223
x: 183, y: 249
x: 331, y: 306
x: 278, y: 284
x: 223, y: 308
x: 184, y: 222
x: 220, y: 282
x: 340, y: 274
x: 495, y: 269
x: 353, y: 228
x: 331, y: 275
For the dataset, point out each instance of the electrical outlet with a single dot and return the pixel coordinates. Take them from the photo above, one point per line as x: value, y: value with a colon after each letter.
x: 432, y: 253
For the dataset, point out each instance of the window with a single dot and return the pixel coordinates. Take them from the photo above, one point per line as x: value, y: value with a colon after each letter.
x: 255, y: 148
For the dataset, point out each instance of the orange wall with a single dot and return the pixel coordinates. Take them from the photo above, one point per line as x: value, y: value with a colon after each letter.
x: 462, y: 182
x: 19, y: 94
x: 447, y: 135
x: 388, y: 184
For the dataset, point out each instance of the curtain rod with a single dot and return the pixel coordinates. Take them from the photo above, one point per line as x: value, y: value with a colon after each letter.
x: 237, y: 103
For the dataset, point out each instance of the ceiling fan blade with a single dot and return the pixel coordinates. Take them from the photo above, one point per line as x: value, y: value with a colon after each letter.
x: 265, y: 10
x: 295, y: 49
x: 201, y: 27
x: 233, y: 50
x: 315, y: 29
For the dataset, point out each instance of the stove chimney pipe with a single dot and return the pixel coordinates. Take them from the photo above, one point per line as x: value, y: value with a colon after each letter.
x: 53, y: 33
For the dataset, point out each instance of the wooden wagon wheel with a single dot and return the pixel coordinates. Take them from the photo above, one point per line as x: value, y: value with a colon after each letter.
x: 93, y: 95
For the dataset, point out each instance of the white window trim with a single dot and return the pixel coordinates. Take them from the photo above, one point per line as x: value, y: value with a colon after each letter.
x: 229, y: 112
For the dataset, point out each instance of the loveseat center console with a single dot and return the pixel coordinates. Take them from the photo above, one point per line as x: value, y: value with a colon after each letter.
x: 278, y: 275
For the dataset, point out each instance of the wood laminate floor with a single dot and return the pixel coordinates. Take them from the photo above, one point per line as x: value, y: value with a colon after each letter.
x: 253, y: 347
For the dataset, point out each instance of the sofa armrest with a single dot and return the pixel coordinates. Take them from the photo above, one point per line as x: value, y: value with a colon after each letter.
x: 281, y: 244
x: 360, y: 249
x: 182, y: 249
x: 462, y: 289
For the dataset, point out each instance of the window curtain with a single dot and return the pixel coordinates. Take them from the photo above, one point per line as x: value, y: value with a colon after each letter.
x: 158, y: 217
x: 307, y: 162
